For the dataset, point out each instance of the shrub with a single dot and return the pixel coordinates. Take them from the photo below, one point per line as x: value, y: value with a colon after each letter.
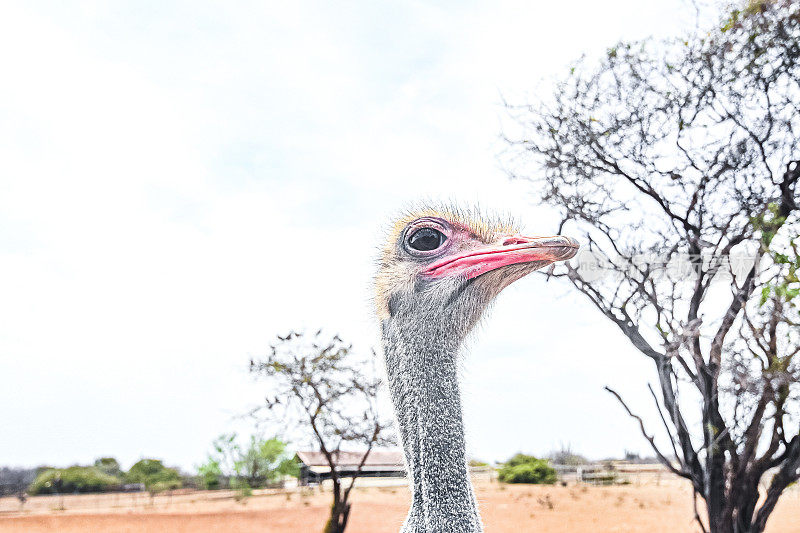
x: 243, y: 489
x: 108, y: 465
x: 73, y: 479
x: 527, y: 469
x: 520, y: 459
x: 210, y: 474
x: 154, y: 475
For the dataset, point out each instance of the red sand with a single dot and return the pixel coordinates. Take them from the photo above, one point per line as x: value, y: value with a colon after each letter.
x: 514, y: 508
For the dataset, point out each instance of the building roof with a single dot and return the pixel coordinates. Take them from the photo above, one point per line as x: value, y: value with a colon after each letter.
x: 381, y: 459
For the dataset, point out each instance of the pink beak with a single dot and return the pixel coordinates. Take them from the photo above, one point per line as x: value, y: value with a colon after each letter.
x: 512, y: 250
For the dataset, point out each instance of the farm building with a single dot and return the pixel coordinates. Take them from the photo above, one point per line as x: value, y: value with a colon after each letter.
x: 314, y: 468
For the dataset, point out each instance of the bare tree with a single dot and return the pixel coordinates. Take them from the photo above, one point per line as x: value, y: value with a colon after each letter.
x: 678, y: 162
x: 15, y: 481
x: 316, y: 381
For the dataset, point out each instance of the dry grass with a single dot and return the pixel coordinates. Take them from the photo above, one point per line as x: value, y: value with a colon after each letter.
x: 515, y: 508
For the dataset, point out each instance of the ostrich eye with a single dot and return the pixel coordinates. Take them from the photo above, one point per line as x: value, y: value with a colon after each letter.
x: 426, y: 239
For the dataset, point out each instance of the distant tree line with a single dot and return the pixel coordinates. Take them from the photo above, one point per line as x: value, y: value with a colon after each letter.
x: 103, y: 476
x: 260, y: 463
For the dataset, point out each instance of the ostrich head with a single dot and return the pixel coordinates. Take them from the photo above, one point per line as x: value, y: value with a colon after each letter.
x: 443, y: 267
x: 437, y: 273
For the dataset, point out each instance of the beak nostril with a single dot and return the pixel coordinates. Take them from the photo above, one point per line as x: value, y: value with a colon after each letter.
x: 514, y: 240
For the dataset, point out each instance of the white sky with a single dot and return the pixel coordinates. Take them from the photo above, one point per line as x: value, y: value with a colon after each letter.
x: 180, y: 182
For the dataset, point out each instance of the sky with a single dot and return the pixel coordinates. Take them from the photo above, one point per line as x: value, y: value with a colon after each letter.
x: 182, y: 181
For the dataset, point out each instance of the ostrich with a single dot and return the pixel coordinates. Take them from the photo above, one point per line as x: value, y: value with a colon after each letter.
x: 437, y: 274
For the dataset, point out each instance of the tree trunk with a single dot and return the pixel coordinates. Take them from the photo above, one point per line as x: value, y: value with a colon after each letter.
x: 340, y: 512
x: 739, y: 519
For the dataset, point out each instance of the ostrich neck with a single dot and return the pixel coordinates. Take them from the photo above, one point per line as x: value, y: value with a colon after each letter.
x: 423, y: 381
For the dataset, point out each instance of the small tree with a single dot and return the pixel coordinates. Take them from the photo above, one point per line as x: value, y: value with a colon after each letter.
x: 676, y: 164
x: 315, y: 381
x: 565, y: 456
x: 265, y: 461
x: 15, y: 481
x: 210, y: 474
x: 154, y: 476
x: 262, y: 462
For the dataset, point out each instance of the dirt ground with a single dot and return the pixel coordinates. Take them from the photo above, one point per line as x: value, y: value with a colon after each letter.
x: 505, y: 508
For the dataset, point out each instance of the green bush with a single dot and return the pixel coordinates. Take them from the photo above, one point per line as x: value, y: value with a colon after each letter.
x: 527, y: 469
x: 264, y: 462
x: 261, y: 463
x: 73, y: 479
x: 108, y: 465
x: 210, y: 474
x: 242, y: 488
x: 154, y: 475
x: 521, y: 459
